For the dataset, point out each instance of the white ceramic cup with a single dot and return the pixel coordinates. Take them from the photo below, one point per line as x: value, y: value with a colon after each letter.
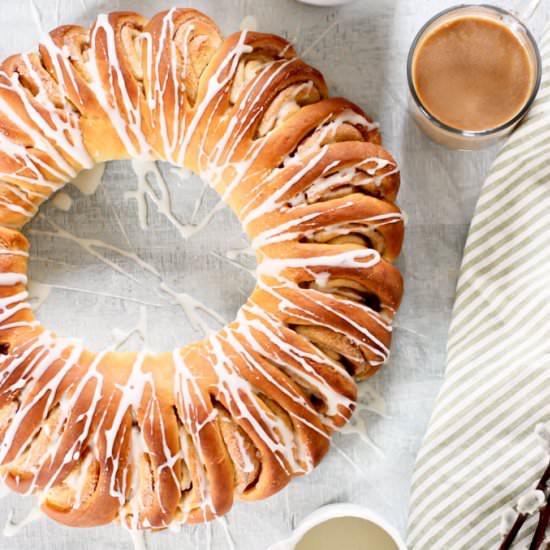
x: 326, y: 2
x: 332, y: 511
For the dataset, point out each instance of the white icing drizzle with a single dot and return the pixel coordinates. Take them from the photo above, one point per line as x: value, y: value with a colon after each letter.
x: 38, y: 293
x: 139, y: 541
x: 162, y: 200
x: 301, y: 369
x: 238, y: 258
x: 142, y: 169
x: 53, y: 129
x: 129, y: 130
x: 320, y: 38
x: 121, y: 336
x: 216, y: 84
x: 12, y: 528
x: 291, y: 230
x: 77, y: 479
x: 248, y: 465
x: 158, y: 87
x: 373, y: 344
x: 191, y: 307
x: 43, y: 130
x: 353, y: 259
x: 62, y: 201
x: 358, y: 426
x: 91, y: 246
x: 348, y: 459
x: 234, y: 388
x: 87, y: 181
x: 10, y: 279
x: 94, y: 293
x: 249, y: 23
x: 225, y: 528
x: 235, y: 253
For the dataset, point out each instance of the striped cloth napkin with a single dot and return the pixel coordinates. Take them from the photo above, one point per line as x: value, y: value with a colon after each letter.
x: 480, y: 453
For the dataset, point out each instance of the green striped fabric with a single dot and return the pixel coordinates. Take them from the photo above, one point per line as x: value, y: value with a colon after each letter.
x: 480, y: 453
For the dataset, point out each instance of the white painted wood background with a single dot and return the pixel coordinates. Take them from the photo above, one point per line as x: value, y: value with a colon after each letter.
x: 361, y: 49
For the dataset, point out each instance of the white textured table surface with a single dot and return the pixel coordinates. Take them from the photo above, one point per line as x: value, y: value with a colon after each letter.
x: 361, y: 49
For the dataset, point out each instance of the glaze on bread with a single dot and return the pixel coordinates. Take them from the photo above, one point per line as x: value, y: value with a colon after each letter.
x: 177, y: 437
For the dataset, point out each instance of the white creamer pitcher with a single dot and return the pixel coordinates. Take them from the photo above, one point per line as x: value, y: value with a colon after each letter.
x: 338, y: 531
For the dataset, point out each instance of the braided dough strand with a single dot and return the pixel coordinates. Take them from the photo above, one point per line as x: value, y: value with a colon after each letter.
x: 176, y: 437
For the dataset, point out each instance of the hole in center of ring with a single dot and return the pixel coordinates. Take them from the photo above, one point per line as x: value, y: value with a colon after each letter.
x: 137, y: 254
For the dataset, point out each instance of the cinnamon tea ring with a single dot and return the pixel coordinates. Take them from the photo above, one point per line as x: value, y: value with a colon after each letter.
x: 151, y: 439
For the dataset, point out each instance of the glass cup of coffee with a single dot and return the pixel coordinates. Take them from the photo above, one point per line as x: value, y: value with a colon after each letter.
x: 473, y: 73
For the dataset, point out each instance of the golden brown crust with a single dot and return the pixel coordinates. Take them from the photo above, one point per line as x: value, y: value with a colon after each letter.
x: 176, y: 437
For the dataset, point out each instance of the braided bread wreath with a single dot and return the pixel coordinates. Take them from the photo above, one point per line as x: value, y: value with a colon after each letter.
x: 152, y: 439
